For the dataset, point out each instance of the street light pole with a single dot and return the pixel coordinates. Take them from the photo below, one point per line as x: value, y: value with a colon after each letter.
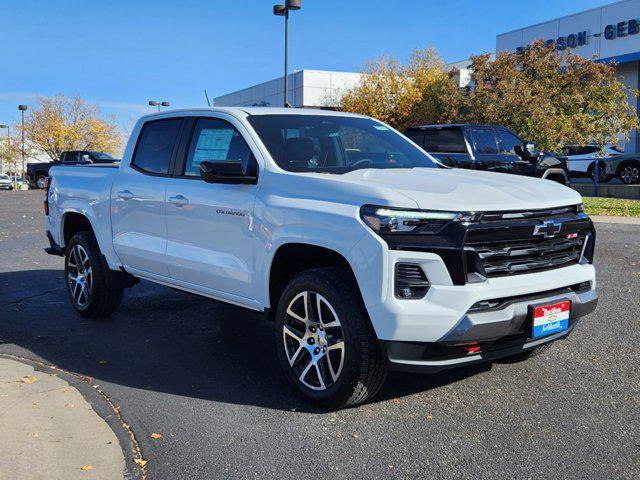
x: 25, y: 185
x: 8, y: 147
x: 155, y: 103
x: 283, y: 11
x: 286, y: 57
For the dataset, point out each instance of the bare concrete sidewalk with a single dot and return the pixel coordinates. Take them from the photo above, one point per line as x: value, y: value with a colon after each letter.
x: 49, y: 431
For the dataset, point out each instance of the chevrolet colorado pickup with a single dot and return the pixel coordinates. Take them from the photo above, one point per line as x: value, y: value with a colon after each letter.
x: 343, y: 232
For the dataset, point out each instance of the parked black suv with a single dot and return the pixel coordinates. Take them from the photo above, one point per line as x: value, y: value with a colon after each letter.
x: 37, y: 172
x: 487, y: 147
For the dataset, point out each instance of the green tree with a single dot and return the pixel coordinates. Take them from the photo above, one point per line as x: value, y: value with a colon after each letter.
x: 402, y: 94
x: 548, y: 97
x: 62, y: 123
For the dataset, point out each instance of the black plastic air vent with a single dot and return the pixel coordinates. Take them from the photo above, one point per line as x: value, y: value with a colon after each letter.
x: 411, y: 283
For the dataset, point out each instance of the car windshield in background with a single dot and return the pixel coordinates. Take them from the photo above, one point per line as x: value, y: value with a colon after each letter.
x: 4, y: 177
x: 335, y: 144
x: 103, y: 156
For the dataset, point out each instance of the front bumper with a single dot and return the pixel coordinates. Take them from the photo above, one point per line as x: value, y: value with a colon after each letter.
x: 498, y: 332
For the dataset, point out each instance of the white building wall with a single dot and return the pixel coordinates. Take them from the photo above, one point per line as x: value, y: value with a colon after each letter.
x: 593, y: 22
x: 307, y: 88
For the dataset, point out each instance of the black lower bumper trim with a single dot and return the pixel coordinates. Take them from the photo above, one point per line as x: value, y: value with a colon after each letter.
x: 433, y: 357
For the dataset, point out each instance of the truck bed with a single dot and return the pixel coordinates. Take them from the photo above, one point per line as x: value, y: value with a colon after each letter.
x: 75, y: 187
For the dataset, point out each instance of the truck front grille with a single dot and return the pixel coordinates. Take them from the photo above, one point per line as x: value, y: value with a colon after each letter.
x: 513, y: 257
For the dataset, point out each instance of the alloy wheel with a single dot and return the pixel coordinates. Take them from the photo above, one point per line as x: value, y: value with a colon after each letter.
x: 630, y: 174
x: 79, y: 276
x: 313, y: 340
x: 40, y: 182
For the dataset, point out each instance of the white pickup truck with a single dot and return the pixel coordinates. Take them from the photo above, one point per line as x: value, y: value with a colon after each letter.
x: 365, y: 252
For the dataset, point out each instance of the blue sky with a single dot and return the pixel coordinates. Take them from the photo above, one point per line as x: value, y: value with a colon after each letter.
x: 121, y: 53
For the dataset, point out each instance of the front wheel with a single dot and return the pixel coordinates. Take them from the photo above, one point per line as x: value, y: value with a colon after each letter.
x: 40, y: 181
x: 325, y: 342
x: 602, y: 173
x: 86, y: 278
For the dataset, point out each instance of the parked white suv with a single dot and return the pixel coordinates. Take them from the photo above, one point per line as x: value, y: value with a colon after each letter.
x: 363, y: 251
x: 581, y: 160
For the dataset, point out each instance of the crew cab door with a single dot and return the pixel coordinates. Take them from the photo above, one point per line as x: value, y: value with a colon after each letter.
x: 138, y: 199
x: 507, y: 142
x: 210, y: 234
x: 485, y: 147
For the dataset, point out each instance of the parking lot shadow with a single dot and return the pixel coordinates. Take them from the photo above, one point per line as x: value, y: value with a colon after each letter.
x: 164, y: 340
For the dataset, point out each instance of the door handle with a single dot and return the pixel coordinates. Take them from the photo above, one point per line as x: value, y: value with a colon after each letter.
x: 125, y: 195
x: 179, y: 201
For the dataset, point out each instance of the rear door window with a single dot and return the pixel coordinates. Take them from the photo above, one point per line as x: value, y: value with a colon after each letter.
x: 484, y: 140
x: 155, y: 145
x: 444, y: 140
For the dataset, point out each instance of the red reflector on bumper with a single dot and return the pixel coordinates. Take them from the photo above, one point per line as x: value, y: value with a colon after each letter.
x: 472, y: 348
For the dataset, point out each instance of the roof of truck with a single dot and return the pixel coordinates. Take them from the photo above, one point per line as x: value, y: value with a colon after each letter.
x: 449, y: 125
x: 253, y: 111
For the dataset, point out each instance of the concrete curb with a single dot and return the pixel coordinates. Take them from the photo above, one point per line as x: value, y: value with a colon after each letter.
x: 103, y: 406
x: 612, y: 219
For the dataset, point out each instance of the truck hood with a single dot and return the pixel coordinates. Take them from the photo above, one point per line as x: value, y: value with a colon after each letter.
x: 467, y: 190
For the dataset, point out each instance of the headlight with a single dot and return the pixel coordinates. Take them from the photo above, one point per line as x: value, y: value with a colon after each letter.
x: 395, y: 220
x: 580, y: 208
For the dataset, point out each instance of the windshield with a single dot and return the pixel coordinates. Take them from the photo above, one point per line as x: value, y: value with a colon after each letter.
x: 4, y: 177
x: 335, y: 144
x: 102, y: 156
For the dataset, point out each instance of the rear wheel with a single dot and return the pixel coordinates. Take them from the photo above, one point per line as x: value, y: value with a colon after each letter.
x: 326, y: 345
x: 86, y: 278
x: 629, y: 173
x: 40, y: 181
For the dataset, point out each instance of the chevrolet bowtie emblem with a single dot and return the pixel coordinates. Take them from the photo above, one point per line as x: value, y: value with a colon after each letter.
x: 548, y: 229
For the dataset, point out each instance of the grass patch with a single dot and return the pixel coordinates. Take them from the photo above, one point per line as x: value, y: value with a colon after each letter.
x: 618, y: 207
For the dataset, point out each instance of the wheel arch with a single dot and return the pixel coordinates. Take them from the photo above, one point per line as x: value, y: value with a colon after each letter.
x: 291, y: 258
x: 72, y: 223
x: 556, y: 174
x: 76, y: 218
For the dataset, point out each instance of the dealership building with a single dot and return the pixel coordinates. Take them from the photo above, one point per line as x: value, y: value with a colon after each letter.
x: 609, y: 33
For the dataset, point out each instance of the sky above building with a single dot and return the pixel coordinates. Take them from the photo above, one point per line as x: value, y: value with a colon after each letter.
x: 122, y: 53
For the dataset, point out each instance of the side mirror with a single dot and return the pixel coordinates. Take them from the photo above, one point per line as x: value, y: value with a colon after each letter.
x: 229, y: 171
x: 532, y: 151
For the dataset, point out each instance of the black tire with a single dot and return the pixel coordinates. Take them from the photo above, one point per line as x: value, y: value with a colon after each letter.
x: 362, y: 371
x: 522, y: 356
x: 602, y: 173
x: 629, y: 173
x: 99, y: 301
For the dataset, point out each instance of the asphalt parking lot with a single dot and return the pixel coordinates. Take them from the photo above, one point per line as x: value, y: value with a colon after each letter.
x: 206, y: 377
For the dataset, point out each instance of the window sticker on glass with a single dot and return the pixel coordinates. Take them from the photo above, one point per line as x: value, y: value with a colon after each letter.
x: 213, y: 144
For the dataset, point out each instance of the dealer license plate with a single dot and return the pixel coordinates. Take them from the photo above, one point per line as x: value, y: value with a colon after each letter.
x: 549, y: 319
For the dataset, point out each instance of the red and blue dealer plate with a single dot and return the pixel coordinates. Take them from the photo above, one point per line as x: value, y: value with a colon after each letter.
x: 550, y: 319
